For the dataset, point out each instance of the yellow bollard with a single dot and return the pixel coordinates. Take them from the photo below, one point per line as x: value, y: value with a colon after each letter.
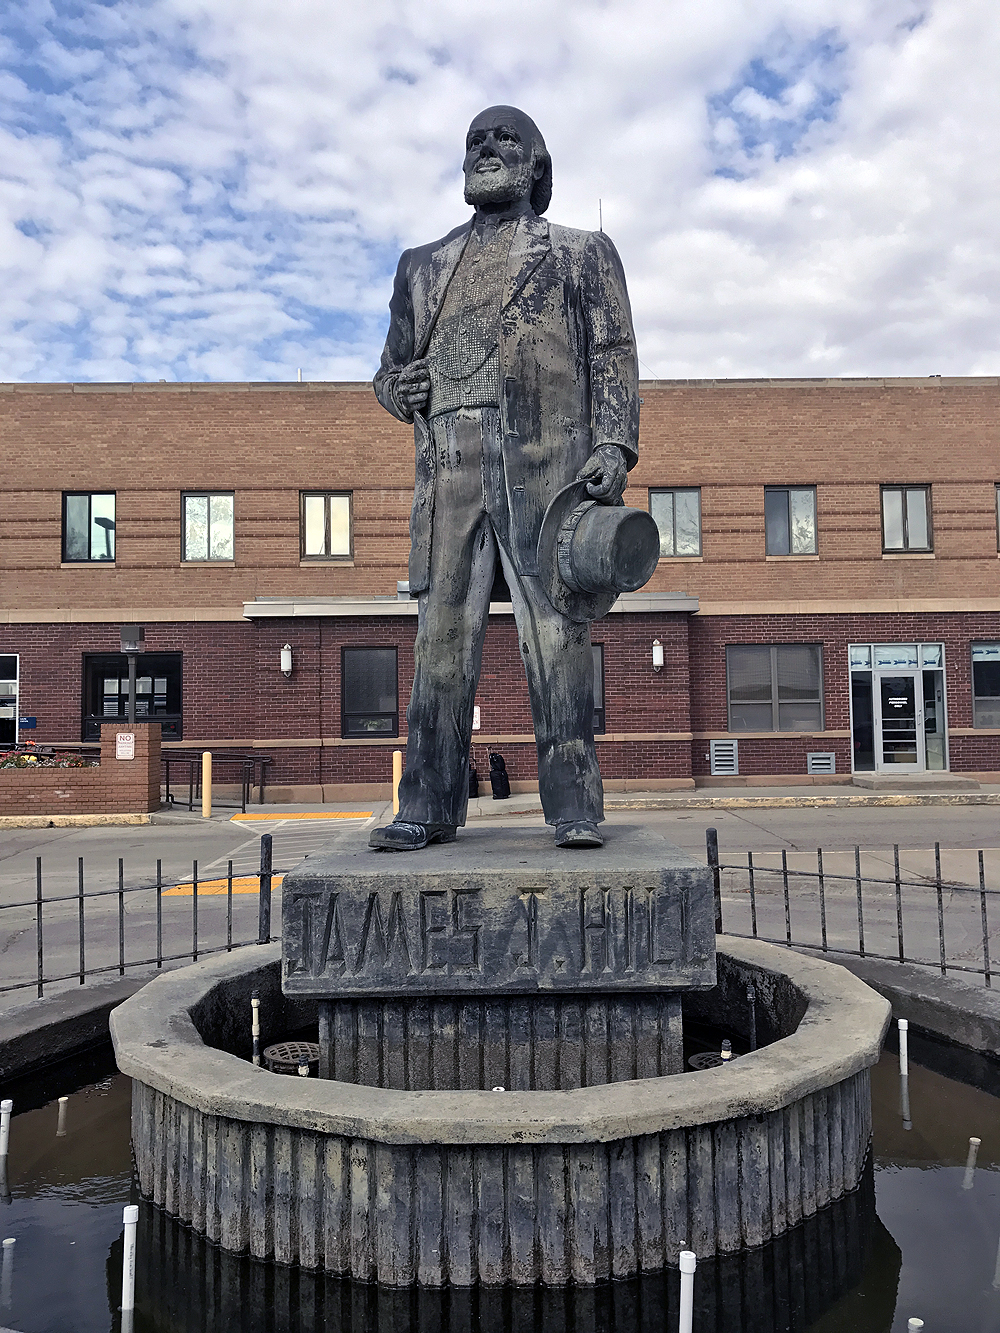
x: 206, y: 784
x: 397, y: 773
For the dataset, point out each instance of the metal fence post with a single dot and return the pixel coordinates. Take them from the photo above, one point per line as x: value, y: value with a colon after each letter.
x: 194, y: 911
x: 83, y: 947
x: 940, y: 906
x: 264, y: 901
x: 121, y: 916
x: 712, y: 850
x: 986, y: 927
x: 38, y: 922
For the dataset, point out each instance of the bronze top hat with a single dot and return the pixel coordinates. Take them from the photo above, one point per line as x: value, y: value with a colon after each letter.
x: 589, y: 552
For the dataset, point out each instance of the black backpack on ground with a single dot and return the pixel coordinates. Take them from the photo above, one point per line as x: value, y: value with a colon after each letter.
x: 499, y: 780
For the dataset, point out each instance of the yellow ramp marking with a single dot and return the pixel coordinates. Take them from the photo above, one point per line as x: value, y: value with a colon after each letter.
x: 332, y: 814
x: 241, y: 884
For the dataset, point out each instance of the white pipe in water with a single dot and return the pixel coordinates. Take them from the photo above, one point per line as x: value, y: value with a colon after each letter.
x: 7, y: 1273
x: 914, y: 1325
x: 6, y: 1106
x: 689, y: 1262
x: 904, y: 1061
x: 970, y: 1164
x: 255, y: 1029
x: 904, y: 1101
x: 61, y: 1122
x: 130, y: 1217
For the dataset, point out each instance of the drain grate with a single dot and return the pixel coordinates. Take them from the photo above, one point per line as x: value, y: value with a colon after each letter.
x: 284, y: 1057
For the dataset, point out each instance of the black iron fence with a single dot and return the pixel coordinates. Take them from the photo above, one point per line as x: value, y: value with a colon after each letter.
x: 66, y: 925
x: 860, y: 902
x: 844, y: 905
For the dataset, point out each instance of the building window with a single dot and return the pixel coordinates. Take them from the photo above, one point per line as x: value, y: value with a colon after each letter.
x: 986, y: 684
x: 88, y: 526
x: 370, y: 692
x: 775, y: 688
x: 790, y: 520
x: 8, y: 700
x: 906, y: 518
x: 325, y: 525
x: 208, y: 526
x: 598, y: 650
x: 157, y: 691
x: 678, y: 516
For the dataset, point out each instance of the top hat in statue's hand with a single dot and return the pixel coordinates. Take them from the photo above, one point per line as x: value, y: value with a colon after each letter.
x: 590, y: 552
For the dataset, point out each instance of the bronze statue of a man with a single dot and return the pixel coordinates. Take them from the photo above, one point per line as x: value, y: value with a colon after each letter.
x: 511, y: 350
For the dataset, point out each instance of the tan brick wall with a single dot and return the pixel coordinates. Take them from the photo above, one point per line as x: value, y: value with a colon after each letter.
x: 268, y: 442
x: 845, y: 438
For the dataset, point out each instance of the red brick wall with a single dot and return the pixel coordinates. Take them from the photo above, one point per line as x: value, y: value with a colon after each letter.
x: 233, y: 689
x: 787, y: 754
x: 116, y: 786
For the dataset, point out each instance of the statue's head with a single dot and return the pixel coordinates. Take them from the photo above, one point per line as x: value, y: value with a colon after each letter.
x: 506, y: 160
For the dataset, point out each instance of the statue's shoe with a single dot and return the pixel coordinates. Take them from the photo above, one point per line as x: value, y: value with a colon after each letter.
x: 400, y: 837
x: 578, y: 833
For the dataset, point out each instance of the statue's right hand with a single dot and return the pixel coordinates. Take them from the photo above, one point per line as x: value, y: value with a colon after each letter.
x: 413, y: 387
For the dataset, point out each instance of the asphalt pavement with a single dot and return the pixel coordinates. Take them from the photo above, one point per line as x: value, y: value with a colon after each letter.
x: 188, y: 847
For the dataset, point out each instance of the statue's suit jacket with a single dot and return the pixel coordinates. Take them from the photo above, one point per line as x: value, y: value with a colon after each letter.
x: 567, y: 362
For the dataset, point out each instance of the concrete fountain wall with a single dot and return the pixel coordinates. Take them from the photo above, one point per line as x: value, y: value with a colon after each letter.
x: 451, y: 1185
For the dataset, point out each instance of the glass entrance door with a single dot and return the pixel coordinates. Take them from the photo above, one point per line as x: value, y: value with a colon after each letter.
x: 898, y: 707
x: 899, y: 745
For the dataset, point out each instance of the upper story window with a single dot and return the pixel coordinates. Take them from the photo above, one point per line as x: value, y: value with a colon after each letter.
x: 326, y: 525
x: 598, y: 650
x: 677, y: 514
x: 88, y: 529
x: 776, y: 687
x: 906, y: 518
x: 790, y: 520
x: 208, y: 526
x: 370, y: 688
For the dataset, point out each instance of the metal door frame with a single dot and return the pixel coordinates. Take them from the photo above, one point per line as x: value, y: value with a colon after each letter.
x: 916, y: 674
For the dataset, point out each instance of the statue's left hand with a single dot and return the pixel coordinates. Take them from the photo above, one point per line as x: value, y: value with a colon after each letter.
x: 606, y: 467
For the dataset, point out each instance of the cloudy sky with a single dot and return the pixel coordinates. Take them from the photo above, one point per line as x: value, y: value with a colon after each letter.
x: 219, y: 189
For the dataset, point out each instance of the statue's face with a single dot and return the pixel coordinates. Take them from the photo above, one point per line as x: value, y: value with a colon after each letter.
x: 500, y: 166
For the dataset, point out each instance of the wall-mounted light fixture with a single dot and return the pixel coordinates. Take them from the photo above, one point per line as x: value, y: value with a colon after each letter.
x: 657, y: 655
x: 286, y: 660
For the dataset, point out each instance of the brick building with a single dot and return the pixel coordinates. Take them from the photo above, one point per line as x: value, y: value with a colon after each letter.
x: 829, y: 585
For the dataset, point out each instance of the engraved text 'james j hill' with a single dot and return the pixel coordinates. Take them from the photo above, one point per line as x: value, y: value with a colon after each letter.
x: 591, y: 933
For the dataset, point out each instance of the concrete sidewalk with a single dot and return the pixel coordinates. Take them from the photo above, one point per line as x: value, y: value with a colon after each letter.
x: 748, y: 797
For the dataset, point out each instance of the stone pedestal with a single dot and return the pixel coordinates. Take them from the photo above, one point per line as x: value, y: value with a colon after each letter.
x: 499, y: 959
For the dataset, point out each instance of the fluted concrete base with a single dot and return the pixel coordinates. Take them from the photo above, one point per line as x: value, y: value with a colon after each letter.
x: 466, y: 1187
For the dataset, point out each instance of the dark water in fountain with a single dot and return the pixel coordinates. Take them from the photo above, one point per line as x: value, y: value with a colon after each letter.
x: 931, y: 1251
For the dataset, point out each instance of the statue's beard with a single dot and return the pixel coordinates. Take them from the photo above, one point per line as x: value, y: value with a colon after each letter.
x: 502, y: 185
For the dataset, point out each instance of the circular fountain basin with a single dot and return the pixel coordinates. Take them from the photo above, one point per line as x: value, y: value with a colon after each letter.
x: 466, y: 1186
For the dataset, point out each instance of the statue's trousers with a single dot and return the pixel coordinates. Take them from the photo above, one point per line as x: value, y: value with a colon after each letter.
x: 470, y: 528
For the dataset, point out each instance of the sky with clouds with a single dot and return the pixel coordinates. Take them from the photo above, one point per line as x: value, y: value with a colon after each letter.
x: 220, y: 190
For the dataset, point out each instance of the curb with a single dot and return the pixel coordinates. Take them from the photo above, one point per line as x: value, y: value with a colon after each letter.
x: 957, y: 1011
x: 775, y: 802
x: 68, y: 821
x: 56, y: 1027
